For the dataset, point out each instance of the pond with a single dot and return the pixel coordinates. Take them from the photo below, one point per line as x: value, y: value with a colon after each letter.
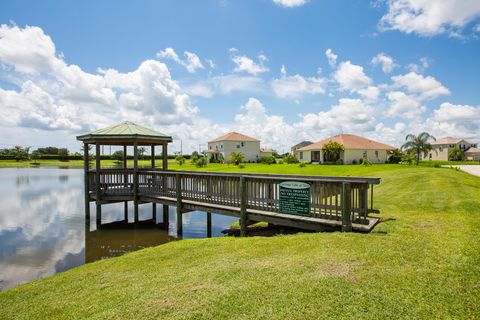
x: 43, y: 229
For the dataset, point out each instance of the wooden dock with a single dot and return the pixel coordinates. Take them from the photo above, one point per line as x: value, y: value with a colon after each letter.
x: 307, y: 202
x: 342, y: 202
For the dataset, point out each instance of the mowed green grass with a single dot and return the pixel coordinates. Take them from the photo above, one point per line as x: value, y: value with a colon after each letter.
x: 421, y: 262
x: 71, y: 163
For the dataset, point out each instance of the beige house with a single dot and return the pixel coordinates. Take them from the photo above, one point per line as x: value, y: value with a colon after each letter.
x: 443, y: 146
x: 298, y: 146
x: 473, y: 154
x: 236, y: 142
x: 356, y: 149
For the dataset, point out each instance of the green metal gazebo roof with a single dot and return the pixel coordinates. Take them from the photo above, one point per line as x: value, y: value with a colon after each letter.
x: 125, y: 132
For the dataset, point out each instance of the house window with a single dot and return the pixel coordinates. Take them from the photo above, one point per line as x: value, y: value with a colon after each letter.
x: 365, y: 154
x: 441, y: 149
x: 243, y: 144
x: 238, y: 146
x: 301, y: 155
x: 221, y: 146
x: 376, y: 153
x: 430, y: 156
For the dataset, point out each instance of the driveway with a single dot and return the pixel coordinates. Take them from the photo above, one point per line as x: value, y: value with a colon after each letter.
x: 472, y: 169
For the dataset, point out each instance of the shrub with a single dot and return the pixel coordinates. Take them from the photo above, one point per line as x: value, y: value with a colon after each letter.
x: 241, y: 166
x: 280, y: 161
x: 354, y: 161
x: 180, y: 159
x: 194, y: 157
x: 339, y: 161
x: 456, y: 154
x: 395, y: 156
x: 201, y: 162
x: 237, y: 158
x: 268, y: 160
x: 366, y: 163
x: 302, y: 164
x: 290, y: 158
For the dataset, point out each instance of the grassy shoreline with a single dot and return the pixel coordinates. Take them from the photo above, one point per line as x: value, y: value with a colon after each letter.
x: 422, y: 261
x: 174, y: 165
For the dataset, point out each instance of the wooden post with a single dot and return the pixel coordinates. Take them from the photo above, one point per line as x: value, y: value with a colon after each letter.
x: 164, y: 157
x: 243, y: 207
x: 346, y: 207
x: 165, y: 217
x: 124, y: 157
x: 363, y: 202
x: 178, y: 183
x: 135, y: 180
x: 97, y: 183
x: 125, y: 180
x: 209, y: 224
x: 153, y: 156
x: 371, y: 197
x: 154, y: 212
x: 86, y: 166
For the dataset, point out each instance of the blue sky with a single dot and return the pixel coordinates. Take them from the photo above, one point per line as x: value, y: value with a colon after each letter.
x: 196, y: 69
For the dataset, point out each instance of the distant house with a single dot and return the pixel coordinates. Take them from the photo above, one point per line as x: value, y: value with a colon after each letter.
x: 236, y: 142
x: 356, y: 148
x: 443, y: 146
x: 473, y: 154
x: 299, y: 146
x: 264, y: 152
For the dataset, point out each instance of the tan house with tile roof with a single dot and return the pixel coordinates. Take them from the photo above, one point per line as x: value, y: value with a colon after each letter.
x: 234, y: 142
x: 473, y: 154
x: 443, y: 146
x: 356, y: 148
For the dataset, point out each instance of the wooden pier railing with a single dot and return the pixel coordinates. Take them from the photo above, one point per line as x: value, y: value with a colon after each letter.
x: 345, y: 199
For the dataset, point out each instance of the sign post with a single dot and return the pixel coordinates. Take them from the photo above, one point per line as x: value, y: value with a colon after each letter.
x: 295, y: 198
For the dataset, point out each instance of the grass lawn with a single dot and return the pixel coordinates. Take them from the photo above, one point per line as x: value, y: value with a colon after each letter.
x: 71, y: 163
x: 422, y: 262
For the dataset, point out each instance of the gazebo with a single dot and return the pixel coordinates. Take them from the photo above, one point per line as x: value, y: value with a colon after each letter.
x: 123, y: 134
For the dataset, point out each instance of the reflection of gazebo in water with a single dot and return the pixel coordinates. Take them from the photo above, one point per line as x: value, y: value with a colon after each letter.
x: 120, y: 237
x: 124, y: 134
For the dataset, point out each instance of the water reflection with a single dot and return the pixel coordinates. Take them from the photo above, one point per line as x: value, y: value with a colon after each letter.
x: 116, y: 238
x: 43, y: 229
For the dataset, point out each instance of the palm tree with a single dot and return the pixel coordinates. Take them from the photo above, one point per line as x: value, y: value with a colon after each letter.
x: 418, y: 144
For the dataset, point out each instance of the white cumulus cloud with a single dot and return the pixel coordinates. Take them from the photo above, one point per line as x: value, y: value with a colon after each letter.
x: 426, y: 87
x: 429, y: 18
x: 297, y: 85
x: 331, y: 57
x: 245, y: 64
x: 290, y: 3
x: 351, y: 77
x: 387, y: 62
x: 191, y: 62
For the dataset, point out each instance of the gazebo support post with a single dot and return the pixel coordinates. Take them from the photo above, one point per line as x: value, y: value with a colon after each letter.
x: 135, y: 180
x: 125, y: 180
x: 165, y: 167
x: 154, y: 205
x: 86, y: 165
x: 97, y: 184
x: 164, y: 157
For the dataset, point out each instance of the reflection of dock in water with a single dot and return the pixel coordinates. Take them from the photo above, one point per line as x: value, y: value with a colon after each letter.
x: 120, y: 237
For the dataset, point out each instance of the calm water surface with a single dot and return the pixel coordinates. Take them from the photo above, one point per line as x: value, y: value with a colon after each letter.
x: 43, y: 229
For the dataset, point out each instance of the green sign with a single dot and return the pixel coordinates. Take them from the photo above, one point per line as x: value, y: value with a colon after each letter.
x: 295, y: 198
